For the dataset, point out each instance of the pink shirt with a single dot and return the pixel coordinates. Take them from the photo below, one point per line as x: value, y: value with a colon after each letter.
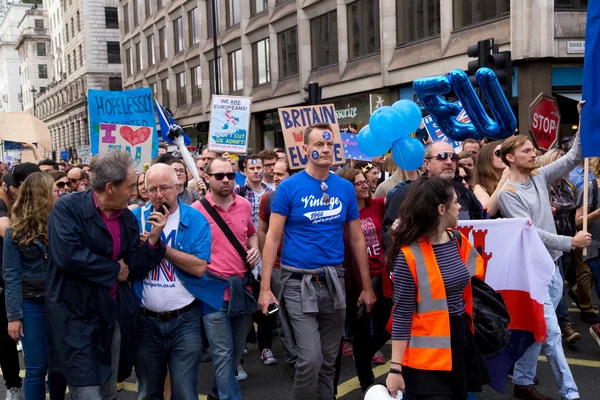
x: 225, y: 261
x: 113, y: 224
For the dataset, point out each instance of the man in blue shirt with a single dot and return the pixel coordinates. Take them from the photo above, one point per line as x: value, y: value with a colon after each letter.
x: 576, y: 177
x: 312, y: 209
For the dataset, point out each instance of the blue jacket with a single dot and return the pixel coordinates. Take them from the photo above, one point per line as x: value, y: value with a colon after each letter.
x: 80, y: 313
x: 24, y: 273
x: 193, y: 237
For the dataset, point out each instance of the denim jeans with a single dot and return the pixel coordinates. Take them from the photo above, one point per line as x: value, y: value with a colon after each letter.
x: 562, y: 311
x: 175, y: 343
x: 526, y: 367
x: 227, y: 338
x: 594, y: 264
x: 36, y: 357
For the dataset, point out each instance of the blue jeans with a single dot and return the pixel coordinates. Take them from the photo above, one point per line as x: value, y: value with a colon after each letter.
x: 36, y: 357
x: 227, y: 338
x: 562, y: 311
x: 594, y: 264
x: 526, y: 367
x: 176, y: 343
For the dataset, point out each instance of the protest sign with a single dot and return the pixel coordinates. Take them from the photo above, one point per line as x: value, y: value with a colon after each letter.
x: 136, y: 140
x: 229, y: 124
x: 9, y: 160
x: 133, y: 108
x: 294, y: 120
x: 436, y: 134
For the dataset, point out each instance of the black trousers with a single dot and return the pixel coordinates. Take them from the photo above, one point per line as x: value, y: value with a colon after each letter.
x: 9, y: 357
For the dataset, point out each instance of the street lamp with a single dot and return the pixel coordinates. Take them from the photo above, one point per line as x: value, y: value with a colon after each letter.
x: 33, y: 91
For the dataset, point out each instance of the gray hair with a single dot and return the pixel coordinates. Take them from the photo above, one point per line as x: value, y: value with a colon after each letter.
x: 109, y: 167
x: 165, y: 168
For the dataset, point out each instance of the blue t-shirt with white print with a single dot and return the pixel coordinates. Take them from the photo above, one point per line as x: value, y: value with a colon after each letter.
x: 314, y: 230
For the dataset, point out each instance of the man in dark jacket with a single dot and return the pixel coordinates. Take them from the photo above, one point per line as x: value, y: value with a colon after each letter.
x: 93, y: 244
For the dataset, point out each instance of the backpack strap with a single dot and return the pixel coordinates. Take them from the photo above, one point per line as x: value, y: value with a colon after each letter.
x: 458, y: 237
x: 270, y: 197
x: 242, y: 191
x: 594, y: 194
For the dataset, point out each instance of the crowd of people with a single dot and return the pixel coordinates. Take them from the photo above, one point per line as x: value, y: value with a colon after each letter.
x: 106, y: 271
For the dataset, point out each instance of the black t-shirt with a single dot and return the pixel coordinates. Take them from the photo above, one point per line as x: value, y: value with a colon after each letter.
x: 3, y: 213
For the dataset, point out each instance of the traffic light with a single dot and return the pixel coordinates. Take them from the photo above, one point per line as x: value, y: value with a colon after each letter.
x: 482, y: 50
x: 313, y: 94
x: 501, y: 64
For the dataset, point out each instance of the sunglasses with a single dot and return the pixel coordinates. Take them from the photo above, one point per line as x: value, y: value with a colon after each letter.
x: 325, y: 196
x: 220, y: 176
x: 443, y: 156
x: 74, y: 180
x: 61, y: 185
x: 497, y: 153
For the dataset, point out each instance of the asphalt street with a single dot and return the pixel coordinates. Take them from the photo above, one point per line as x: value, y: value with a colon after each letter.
x: 273, y: 382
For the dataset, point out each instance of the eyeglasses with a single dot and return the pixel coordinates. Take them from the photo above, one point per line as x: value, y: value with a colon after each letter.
x: 179, y: 171
x: 162, y: 188
x: 325, y: 198
x: 361, y: 183
x: 220, y: 176
x: 269, y: 165
x: 61, y: 185
x: 443, y: 156
x: 497, y: 153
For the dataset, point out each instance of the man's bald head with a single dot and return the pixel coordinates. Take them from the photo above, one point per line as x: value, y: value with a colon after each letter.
x: 162, y: 173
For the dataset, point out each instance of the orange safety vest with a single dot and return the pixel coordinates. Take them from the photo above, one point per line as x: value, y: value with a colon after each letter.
x: 429, y: 346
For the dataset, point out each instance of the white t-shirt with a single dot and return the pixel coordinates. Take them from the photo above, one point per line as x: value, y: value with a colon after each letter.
x: 270, y: 185
x: 163, y: 291
x: 258, y: 194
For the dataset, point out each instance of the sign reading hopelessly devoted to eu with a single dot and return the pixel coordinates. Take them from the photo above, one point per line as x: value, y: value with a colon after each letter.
x: 294, y: 120
x: 229, y: 123
x: 133, y: 108
x: 136, y: 140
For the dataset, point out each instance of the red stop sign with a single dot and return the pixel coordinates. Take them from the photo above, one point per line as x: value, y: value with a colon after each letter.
x: 545, y: 121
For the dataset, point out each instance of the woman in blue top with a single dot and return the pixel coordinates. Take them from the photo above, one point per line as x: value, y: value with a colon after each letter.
x: 25, y: 265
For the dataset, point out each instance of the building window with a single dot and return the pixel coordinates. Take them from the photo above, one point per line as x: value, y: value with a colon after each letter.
x: 196, y: 84
x: 193, y: 25
x: 164, y: 87
x: 151, y: 54
x: 111, y: 17
x: 211, y: 72
x: 178, y: 34
x: 154, y: 89
x: 236, y: 71
x: 81, y: 55
x: 39, y: 24
x: 162, y: 38
x: 74, y: 60
x: 210, y: 19
x: 67, y: 32
x: 138, y: 56
x: 324, y: 41
x: 232, y: 8
x: 113, y: 50
x: 78, y: 22
x: 126, y: 17
x: 149, y: 10
x: 161, y: 4
x: 129, y: 64
x: 69, y: 64
x: 72, y: 28
x: 288, y: 52
x: 260, y: 60
x: 363, y: 28
x: 136, y: 13
x: 417, y: 20
x: 181, y: 94
x: 115, y: 84
x: 570, y: 5
x: 258, y: 6
x: 42, y: 71
x: 41, y: 49
x: 473, y: 12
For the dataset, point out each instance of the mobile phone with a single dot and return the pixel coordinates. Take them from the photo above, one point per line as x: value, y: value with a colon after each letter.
x: 272, y: 309
x: 161, y: 209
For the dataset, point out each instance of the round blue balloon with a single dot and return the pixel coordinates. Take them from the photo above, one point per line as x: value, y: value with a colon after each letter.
x: 370, y: 145
x: 408, y: 153
x: 386, y: 124
x: 411, y: 115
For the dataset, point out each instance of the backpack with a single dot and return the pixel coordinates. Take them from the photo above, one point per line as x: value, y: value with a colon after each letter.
x: 270, y: 197
x: 392, y: 191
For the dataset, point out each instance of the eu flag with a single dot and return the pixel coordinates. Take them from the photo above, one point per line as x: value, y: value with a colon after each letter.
x: 165, y: 120
x: 590, y: 115
x: 351, y: 150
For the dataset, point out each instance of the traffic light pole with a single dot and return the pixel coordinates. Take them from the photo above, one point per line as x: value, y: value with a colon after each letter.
x: 215, y: 53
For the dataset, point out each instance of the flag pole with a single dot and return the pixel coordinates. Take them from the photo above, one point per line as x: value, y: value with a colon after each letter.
x: 586, y: 172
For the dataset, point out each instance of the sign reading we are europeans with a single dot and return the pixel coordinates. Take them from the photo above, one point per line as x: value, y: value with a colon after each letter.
x: 294, y: 120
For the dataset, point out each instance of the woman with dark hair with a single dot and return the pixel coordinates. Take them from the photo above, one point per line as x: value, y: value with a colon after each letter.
x: 367, y: 345
x: 490, y: 176
x: 187, y: 196
x: 371, y: 172
x: 25, y: 266
x: 62, y: 182
x: 434, y: 353
x: 467, y: 161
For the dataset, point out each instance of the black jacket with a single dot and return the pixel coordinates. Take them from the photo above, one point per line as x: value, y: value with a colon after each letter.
x: 80, y: 313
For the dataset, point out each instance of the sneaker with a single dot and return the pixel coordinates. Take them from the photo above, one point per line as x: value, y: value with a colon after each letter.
x: 14, y: 394
x: 378, y: 358
x: 211, y: 397
x: 245, y: 353
x: 347, y: 348
x: 267, y: 357
x: 241, y: 375
x: 569, y: 334
x: 19, y: 346
x: 528, y: 393
x: 595, y: 332
x: 120, y: 386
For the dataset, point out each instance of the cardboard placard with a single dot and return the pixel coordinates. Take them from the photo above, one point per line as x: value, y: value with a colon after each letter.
x: 229, y: 124
x: 136, y: 140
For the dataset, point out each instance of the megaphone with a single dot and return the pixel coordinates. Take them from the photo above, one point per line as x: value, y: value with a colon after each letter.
x: 380, y: 392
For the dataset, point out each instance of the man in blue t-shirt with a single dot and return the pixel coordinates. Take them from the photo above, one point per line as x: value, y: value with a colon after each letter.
x: 312, y: 209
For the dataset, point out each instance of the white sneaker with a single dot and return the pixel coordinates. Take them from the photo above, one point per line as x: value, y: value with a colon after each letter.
x: 267, y: 357
x: 14, y: 394
x: 241, y: 374
x: 19, y: 346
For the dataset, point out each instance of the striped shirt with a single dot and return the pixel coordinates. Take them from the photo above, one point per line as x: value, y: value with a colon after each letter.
x: 454, y: 274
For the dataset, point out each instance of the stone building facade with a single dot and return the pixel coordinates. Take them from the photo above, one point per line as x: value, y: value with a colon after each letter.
x: 11, y: 94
